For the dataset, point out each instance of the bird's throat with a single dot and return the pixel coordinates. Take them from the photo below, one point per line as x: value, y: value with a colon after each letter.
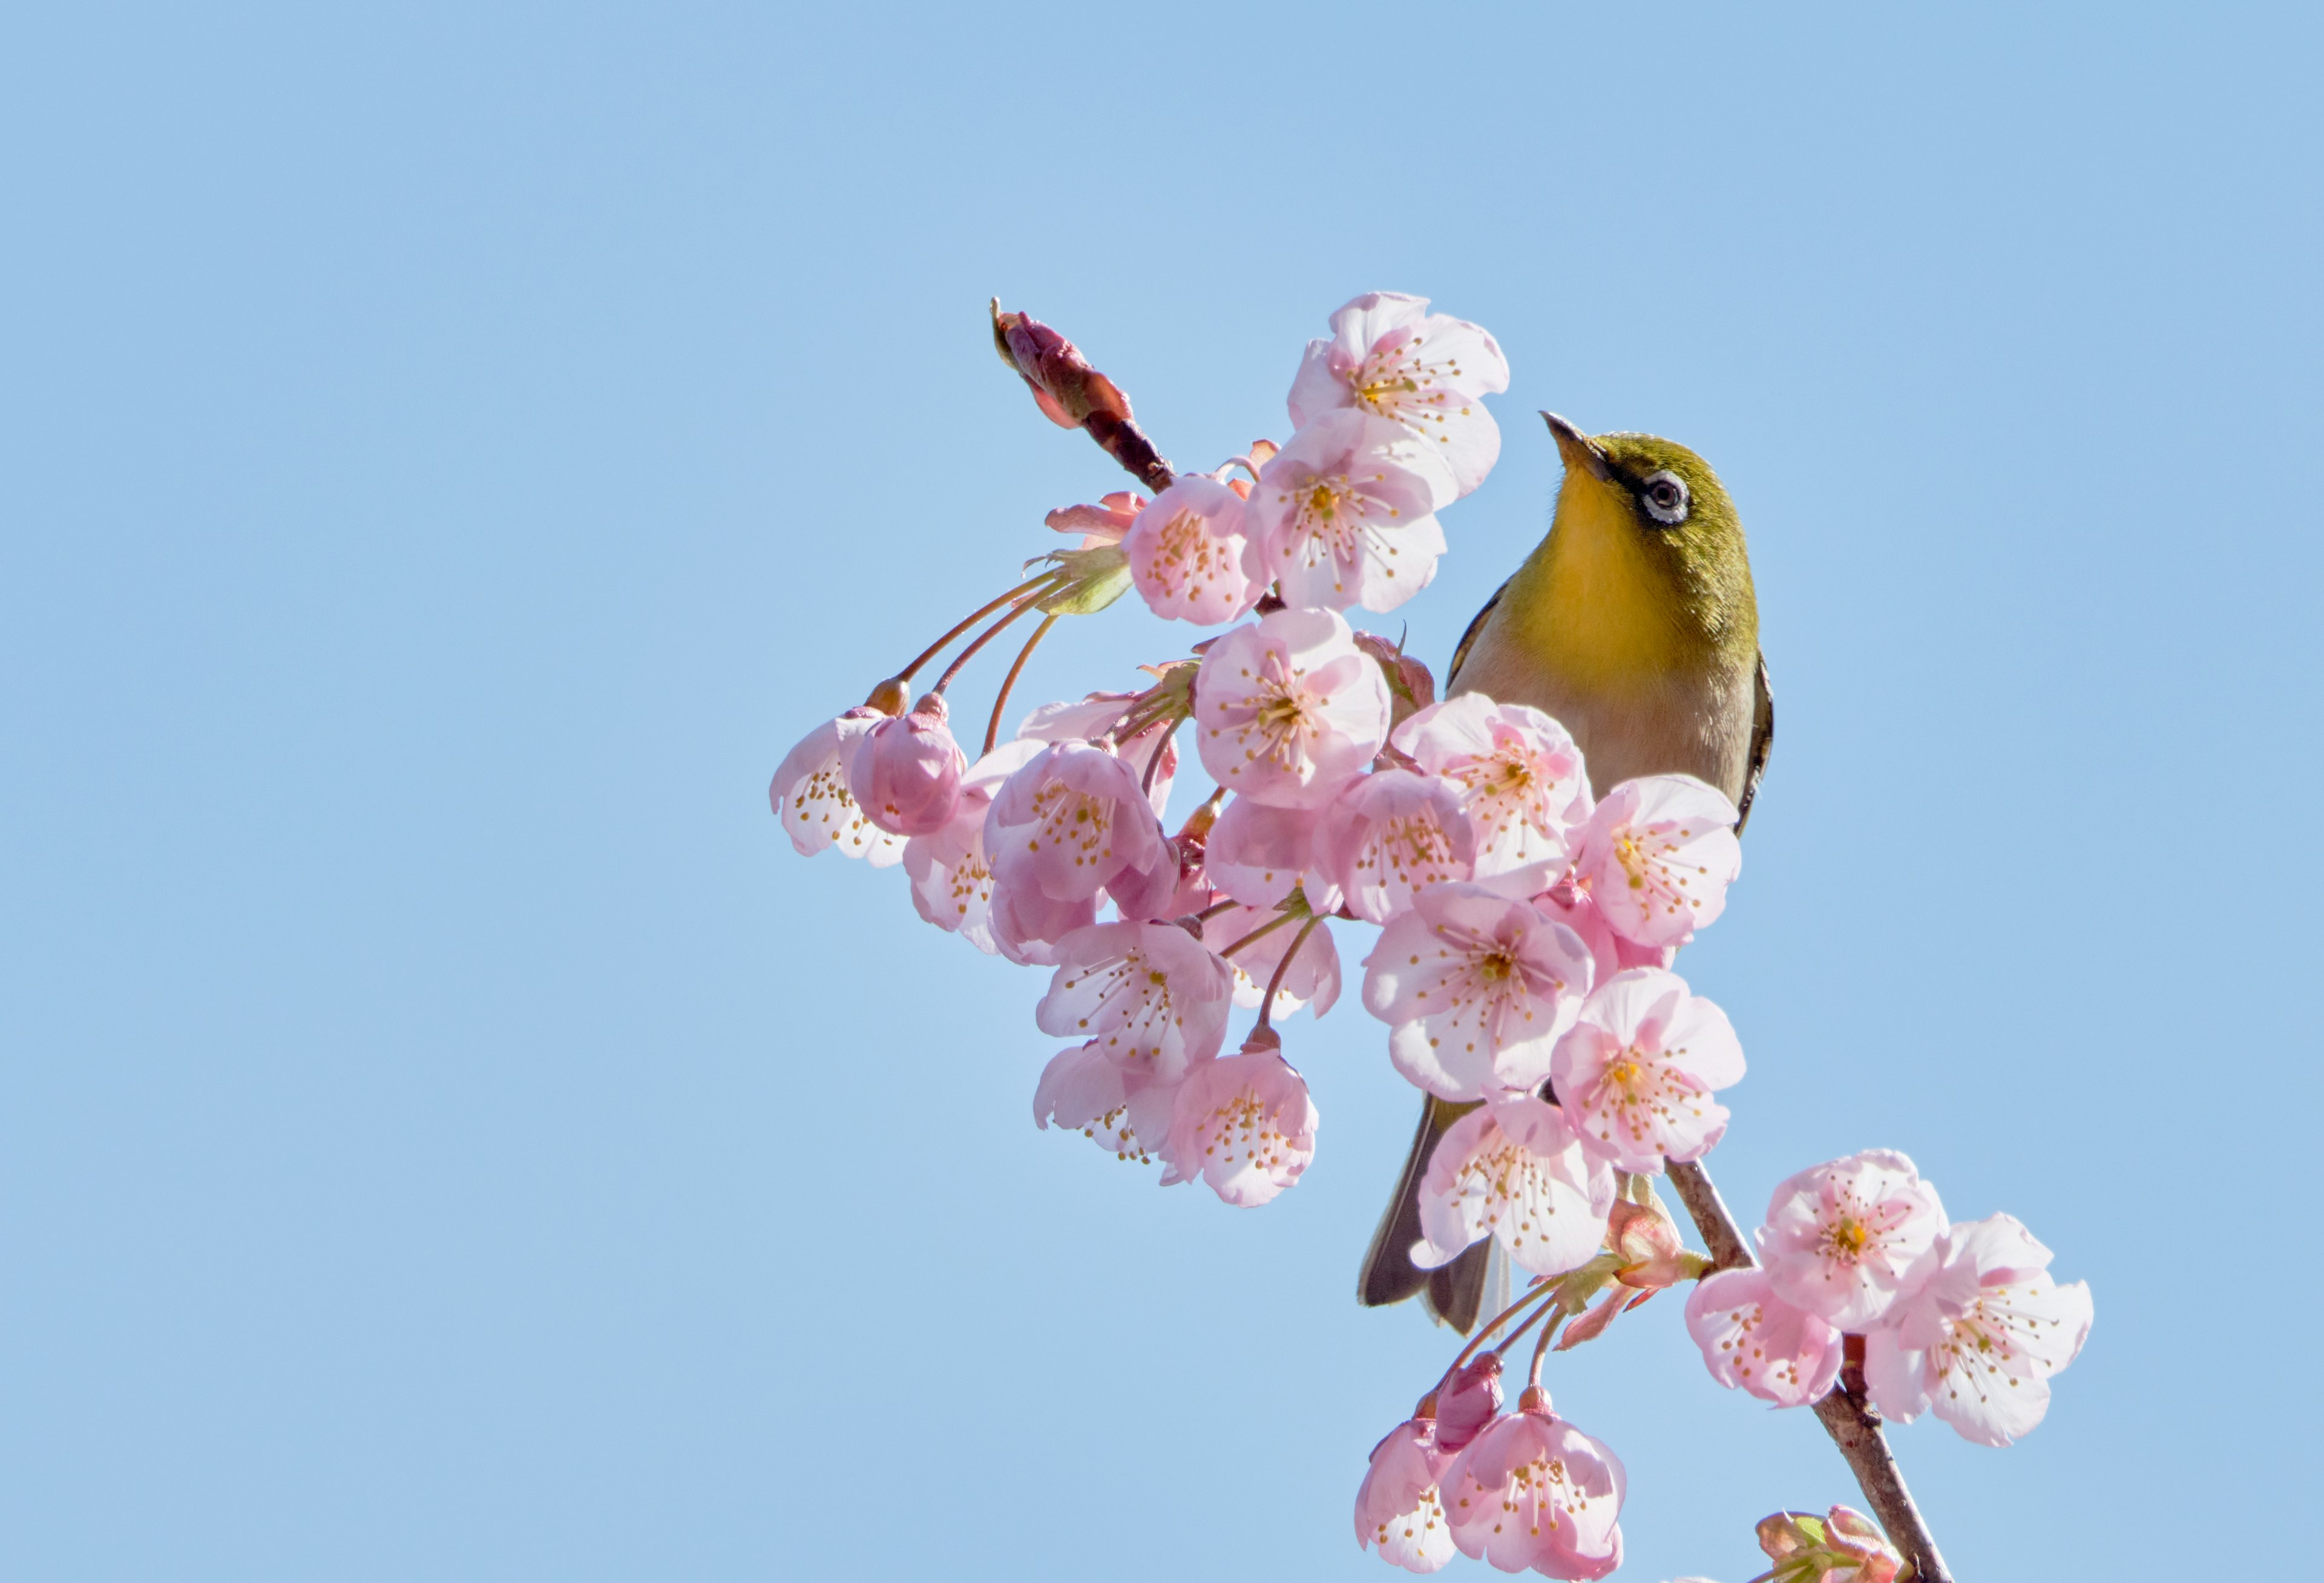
x: 1600, y: 606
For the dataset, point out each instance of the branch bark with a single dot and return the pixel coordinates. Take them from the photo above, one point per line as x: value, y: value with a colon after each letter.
x: 1846, y: 1415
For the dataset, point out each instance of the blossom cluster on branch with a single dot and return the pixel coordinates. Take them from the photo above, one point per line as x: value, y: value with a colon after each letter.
x: 1523, y: 963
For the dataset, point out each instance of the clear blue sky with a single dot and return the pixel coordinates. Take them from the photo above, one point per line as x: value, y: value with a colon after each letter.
x: 448, y: 455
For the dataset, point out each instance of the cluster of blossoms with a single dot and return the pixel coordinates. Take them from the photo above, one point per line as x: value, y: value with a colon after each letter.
x: 1522, y: 964
x: 1963, y: 1321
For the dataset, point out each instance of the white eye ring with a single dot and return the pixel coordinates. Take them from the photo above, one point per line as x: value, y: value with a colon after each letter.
x: 1664, y: 496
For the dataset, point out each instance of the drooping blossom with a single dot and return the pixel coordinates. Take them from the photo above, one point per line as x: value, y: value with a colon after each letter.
x: 1126, y: 1113
x: 1521, y: 781
x: 1257, y: 851
x: 1150, y: 996
x: 1752, y: 1340
x: 1345, y: 514
x: 1095, y: 716
x: 951, y: 879
x: 1534, y: 1491
x: 809, y: 794
x: 1104, y: 524
x: 1027, y: 923
x: 1609, y: 953
x: 1471, y: 1399
x: 1313, y: 977
x: 1658, y: 855
x: 1642, y: 1236
x: 1188, y: 556
x: 1072, y: 822
x: 1846, y: 1239
x: 1844, y: 1546
x: 1476, y: 988
x: 1514, y: 1171
x: 1636, y: 1070
x: 905, y: 772
x: 1288, y: 710
x: 1397, y: 1506
x: 1389, y: 835
x: 1980, y: 1340
x: 1389, y: 356
x: 1244, y: 1124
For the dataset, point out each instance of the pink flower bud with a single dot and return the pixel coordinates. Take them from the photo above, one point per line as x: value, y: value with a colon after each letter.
x: 905, y: 776
x: 1846, y: 1547
x: 1469, y: 1404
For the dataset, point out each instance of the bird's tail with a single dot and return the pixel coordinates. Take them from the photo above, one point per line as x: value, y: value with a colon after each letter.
x: 1453, y: 1295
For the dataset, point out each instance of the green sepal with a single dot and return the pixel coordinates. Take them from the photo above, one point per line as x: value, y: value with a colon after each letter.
x: 1094, y: 578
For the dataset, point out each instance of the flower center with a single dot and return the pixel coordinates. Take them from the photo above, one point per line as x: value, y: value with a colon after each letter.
x: 1849, y: 1237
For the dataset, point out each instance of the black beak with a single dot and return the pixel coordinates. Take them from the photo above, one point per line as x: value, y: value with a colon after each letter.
x: 1578, y: 448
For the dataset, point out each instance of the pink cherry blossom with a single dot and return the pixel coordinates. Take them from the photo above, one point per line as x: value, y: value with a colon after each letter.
x: 1345, y: 514
x: 1514, y: 1171
x: 1389, y: 356
x: 905, y: 773
x: 951, y: 881
x: 1104, y: 523
x: 1027, y: 923
x: 1521, y: 779
x: 1609, y: 953
x: 1638, y: 1070
x: 1095, y: 716
x: 1980, y: 1340
x: 1753, y: 1340
x: 1257, y: 851
x: 1658, y: 855
x: 1150, y: 995
x: 1288, y: 710
x: 1242, y: 1123
x: 1313, y: 977
x: 1846, y: 1239
x: 1392, y: 833
x: 1187, y: 553
x: 1476, y: 988
x: 1534, y: 1491
x: 810, y: 794
x: 1397, y: 1507
x: 1126, y: 1113
x: 1471, y: 1399
x: 1072, y: 822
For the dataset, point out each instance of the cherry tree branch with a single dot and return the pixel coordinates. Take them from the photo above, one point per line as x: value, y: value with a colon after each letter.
x: 1846, y: 1415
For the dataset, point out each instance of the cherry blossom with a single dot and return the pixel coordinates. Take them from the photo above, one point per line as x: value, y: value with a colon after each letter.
x: 1521, y: 779
x: 1534, y: 1491
x: 1345, y: 514
x: 1753, y: 1340
x: 810, y: 794
x: 1389, y: 356
x: 1476, y: 988
x: 1126, y: 1113
x: 1313, y: 977
x: 1256, y: 852
x: 952, y: 880
x: 1845, y: 1547
x: 905, y: 772
x: 1846, y: 1239
x: 1397, y: 1506
x: 1072, y: 822
x: 1514, y: 1171
x: 1610, y: 952
x: 1288, y: 710
x: 1027, y: 923
x: 1636, y: 1070
x: 1658, y: 855
x: 1471, y: 1399
x: 1100, y: 524
x: 1094, y: 717
x: 1389, y: 833
x: 1148, y: 994
x: 1188, y: 556
x: 1244, y: 1124
x: 1980, y: 1340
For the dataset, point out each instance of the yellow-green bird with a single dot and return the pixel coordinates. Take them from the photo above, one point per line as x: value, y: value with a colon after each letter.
x: 1634, y: 624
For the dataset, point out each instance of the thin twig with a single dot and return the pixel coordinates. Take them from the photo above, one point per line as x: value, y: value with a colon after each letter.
x: 936, y: 648
x: 960, y: 661
x: 1000, y: 701
x: 1846, y: 1415
x: 1146, y: 782
x: 1267, y: 999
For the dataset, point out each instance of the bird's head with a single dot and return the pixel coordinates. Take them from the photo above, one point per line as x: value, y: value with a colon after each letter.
x: 1656, y: 507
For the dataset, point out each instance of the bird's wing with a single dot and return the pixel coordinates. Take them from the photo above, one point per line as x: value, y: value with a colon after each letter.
x: 1476, y: 630
x: 1763, y: 737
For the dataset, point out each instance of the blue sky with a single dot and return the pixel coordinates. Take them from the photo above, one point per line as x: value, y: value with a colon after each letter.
x: 448, y: 455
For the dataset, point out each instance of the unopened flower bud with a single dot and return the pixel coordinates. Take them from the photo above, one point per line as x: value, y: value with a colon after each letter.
x: 906, y: 777
x: 1846, y: 1547
x: 1470, y: 1402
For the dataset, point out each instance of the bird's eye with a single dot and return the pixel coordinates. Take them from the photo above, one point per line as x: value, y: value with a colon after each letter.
x: 1665, y: 499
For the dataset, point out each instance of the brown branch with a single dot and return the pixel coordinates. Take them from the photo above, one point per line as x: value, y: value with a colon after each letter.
x: 1846, y: 1415
x: 1076, y: 396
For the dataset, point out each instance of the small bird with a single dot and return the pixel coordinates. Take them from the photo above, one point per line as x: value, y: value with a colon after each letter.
x: 1633, y: 624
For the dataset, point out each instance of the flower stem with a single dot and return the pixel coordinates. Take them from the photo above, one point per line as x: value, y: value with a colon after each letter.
x: 960, y: 659
x: 1154, y: 762
x: 1268, y: 927
x: 936, y: 648
x: 1533, y: 1295
x: 992, y: 727
x: 1267, y: 1000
